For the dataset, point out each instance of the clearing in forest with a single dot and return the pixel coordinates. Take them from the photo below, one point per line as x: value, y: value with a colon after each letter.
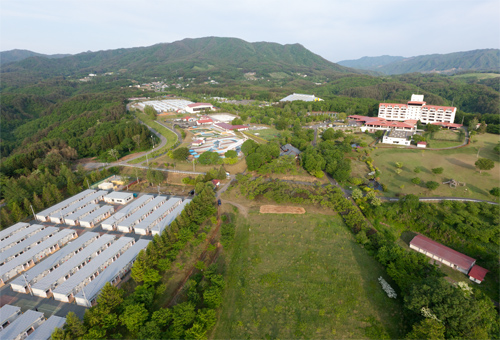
x: 278, y: 209
x: 303, y: 276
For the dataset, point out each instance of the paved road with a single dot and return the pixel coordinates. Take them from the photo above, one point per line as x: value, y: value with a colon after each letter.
x: 431, y: 199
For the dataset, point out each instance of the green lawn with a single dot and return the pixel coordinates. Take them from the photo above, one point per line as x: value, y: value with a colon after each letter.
x: 303, y: 276
x: 457, y: 163
x: 477, y: 76
x: 169, y: 135
x: 266, y: 134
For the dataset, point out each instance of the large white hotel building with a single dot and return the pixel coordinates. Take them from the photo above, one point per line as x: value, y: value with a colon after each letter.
x: 417, y: 109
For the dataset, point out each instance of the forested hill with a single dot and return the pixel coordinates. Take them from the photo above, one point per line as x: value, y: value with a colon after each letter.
x: 18, y: 55
x: 479, y: 60
x: 226, y: 57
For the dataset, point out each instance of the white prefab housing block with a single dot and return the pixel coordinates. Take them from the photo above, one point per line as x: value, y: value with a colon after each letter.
x: 112, y: 274
x: 144, y: 227
x: 100, y: 214
x: 36, y: 254
x: 74, y: 218
x: 33, y: 275
x: 127, y: 225
x: 24, y: 325
x: 43, y: 288
x: 20, y: 236
x: 111, y: 222
x: 8, y: 232
x: 93, y: 198
x: 45, y: 330
x: 66, y: 290
x: 117, y: 197
x: 8, y: 314
x: 27, y: 244
x: 165, y: 222
x: 44, y: 215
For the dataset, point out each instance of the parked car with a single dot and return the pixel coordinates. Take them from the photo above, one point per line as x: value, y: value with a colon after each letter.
x: 219, y: 202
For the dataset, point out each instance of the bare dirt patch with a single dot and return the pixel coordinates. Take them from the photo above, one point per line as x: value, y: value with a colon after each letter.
x: 277, y: 209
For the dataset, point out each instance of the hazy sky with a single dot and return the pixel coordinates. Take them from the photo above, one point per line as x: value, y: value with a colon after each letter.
x: 334, y: 29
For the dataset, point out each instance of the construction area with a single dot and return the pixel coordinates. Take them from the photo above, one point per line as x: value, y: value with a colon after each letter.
x: 277, y: 209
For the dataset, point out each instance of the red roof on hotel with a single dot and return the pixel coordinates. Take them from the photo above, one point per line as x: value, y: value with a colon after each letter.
x: 448, y: 254
x: 205, y: 121
x: 391, y: 124
x: 199, y: 104
x: 416, y: 103
x: 478, y: 272
x: 401, y: 105
x: 444, y: 108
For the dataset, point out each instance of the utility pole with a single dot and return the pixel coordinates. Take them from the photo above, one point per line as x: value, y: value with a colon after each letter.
x: 158, y: 189
x: 136, y: 175
x: 27, y: 285
x: 147, y: 160
x: 193, y: 165
x: 33, y: 211
x: 477, y: 156
x: 88, y: 185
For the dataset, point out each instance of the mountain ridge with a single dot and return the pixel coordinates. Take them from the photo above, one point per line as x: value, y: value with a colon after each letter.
x: 449, y: 63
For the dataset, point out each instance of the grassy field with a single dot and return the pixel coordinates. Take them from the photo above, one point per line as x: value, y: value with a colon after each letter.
x: 169, y: 135
x: 457, y: 163
x: 477, y: 76
x: 266, y: 134
x: 445, y: 138
x: 303, y: 276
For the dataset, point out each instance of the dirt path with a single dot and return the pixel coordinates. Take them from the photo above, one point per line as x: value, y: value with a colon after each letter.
x: 243, y: 210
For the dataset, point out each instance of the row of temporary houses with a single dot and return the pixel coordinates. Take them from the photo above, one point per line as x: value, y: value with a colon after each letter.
x: 30, y: 325
x: 77, y: 265
x: 25, y: 254
x: 146, y: 215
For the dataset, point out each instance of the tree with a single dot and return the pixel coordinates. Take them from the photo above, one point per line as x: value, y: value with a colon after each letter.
x: 427, y: 329
x: 409, y: 202
x: 416, y: 180
x: 209, y: 157
x: 473, y: 124
x: 431, y: 185
x: 47, y: 197
x: 180, y: 153
x: 484, y: 164
x: 113, y: 153
x: 417, y: 170
x: 231, y: 154
x: 437, y: 171
x: 5, y: 218
x: 254, y: 161
x: 495, y: 191
x: 137, y: 140
x: 312, y: 161
x: 237, y: 121
x: 248, y: 147
x: 150, y: 111
x: 17, y: 213
x: 482, y: 128
x: 399, y: 165
x: 74, y: 328
x: 72, y: 188
x: 134, y: 317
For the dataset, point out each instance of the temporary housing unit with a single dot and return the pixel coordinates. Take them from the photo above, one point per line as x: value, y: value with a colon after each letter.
x: 23, y: 326
x: 165, y: 222
x: 27, y: 244
x: 144, y: 227
x: 44, y: 215
x: 8, y: 314
x: 20, y: 236
x: 74, y: 218
x: 45, y: 330
x: 66, y: 290
x: 111, y: 222
x: 94, y: 198
x: 36, y: 254
x: 113, y: 274
x: 43, y: 288
x: 127, y: 225
x: 97, y: 216
x: 8, y: 232
x: 33, y: 275
x: 117, y: 197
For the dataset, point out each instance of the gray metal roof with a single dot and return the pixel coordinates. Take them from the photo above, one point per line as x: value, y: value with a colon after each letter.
x: 21, y: 325
x: 34, y: 253
x: 8, y: 232
x: 119, y: 195
x: 74, y: 283
x: 82, y: 212
x: 45, y: 330
x: 32, y: 275
x: 303, y: 97
x: 132, y: 220
x: 75, y: 206
x: 160, y: 226
x: 67, y: 267
x: 95, y: 214
x: 65, y: 203
x: 151, y: 219
x: 20, y: 235
x: 27, y: 244
x: 127, y: 210
x: 114, y: 269
x: 289, y: 149
x: 7, y: 312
